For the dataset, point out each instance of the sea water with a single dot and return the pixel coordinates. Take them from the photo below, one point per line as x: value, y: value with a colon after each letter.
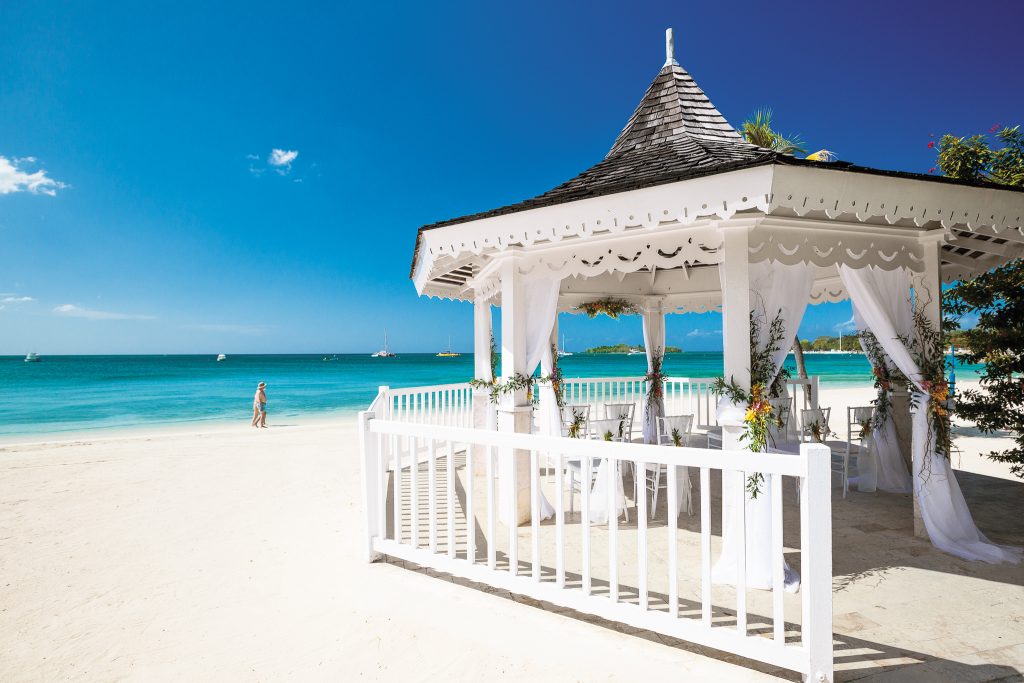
x: 83, y: 393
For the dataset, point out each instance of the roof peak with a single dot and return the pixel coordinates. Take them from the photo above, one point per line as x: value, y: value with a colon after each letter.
x: 674, y: 107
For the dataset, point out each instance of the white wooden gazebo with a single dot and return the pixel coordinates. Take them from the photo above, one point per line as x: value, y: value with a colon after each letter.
x: 683, y: 215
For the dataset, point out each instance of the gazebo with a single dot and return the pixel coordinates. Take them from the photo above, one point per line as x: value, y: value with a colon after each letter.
x: 684, y: 215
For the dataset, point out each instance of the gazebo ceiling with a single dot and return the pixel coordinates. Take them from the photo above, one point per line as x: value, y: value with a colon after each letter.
x: 679, y: 171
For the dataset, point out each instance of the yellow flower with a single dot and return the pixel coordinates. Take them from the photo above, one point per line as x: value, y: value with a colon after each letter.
x: 751, y: 415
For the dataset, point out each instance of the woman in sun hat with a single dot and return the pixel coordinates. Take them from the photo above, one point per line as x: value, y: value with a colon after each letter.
x: 259, y: 406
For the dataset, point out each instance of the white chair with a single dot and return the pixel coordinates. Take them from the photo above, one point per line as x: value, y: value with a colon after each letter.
x: 858, y: 426
x: 600, y: 430
x: 623, y: 412
x: 576, y: 421
x: 783, y: 409
x: 811, y: 417
x: 667, y: 429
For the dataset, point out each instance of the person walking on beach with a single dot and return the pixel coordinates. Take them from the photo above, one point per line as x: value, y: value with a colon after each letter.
x: 259, y: 406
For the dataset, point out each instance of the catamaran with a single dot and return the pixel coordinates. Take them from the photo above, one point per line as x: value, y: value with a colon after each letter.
x: 221, y: 356
x: 32, y: 357
x: 449, y: 353
x: 385, y: 352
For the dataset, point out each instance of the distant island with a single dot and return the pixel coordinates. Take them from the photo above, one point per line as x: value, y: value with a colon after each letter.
x: 849, y: 343
x: 626, y: 348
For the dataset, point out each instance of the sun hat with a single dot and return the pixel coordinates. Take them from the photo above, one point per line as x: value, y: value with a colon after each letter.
x: 261, y: 384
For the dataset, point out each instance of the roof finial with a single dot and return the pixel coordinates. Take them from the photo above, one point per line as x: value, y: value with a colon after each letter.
x: 670, y: 49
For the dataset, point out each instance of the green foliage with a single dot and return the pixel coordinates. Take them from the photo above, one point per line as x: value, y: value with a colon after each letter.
x: 973, y: 158
x: 655, y: 382
x: 579, y: 421
x: 498, y: 389
x: 829, y: 344
x: 758, y: 130
x: 926, y: 348
x: 626, y: 348
x: 677, y: 438
x: 886, y: 375
x: 996, y: 298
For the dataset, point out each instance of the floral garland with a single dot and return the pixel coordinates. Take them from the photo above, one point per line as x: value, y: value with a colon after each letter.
x: 516, y: 382
x: 612, y: 308
x: 579, y: 420
x: 655, y: 381
x: 555, y: 378
x: 885, y: 377
x: 760, y: 414
x: 928, y: 351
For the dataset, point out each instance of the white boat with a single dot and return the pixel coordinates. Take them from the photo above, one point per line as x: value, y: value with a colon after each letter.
x: 221, y: 356
x: 563, y: 353
x: 636, y: 352
x: 32, y: 358
x: 449, y: 353
x: 385, y: 352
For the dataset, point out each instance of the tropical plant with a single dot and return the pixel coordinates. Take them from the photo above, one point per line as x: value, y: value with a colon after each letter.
x: 927, y: 349
x: 758, y: 130
x: 996, y: 298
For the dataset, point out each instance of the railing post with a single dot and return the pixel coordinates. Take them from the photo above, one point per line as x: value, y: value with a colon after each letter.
x: 816, y: 560
x: 373, y: 483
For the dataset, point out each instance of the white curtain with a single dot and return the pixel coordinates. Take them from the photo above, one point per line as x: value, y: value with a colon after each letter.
x: 890, y: 470
x: 776, y: 290
x: 883, y: 300
x: 541, y: 295
x: 654, y: 341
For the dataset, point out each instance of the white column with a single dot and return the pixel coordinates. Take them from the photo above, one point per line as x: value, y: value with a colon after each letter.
x: 927, y: 298
x: 735, y: 278
x: 484, y: 416
x: 514, y: 411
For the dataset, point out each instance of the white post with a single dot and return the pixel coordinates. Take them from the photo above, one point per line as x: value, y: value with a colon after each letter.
x: 373, y: 483
x: 816, y: 560
x: 735, y: 278
x: 742, y: 563
x: 483, y: 411
x: 927, y: 298
x: 514, y: 411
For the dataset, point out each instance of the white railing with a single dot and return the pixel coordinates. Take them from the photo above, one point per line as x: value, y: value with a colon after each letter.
x: 444, y: 404
x: 428, y: 503
x: 683, y: 395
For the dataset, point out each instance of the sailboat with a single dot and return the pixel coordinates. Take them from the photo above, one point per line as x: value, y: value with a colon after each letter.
x: 32, y: 357
x: 449, y: 353
x: 563, y: 352
x: 221, y: 356
x: 385, y: 352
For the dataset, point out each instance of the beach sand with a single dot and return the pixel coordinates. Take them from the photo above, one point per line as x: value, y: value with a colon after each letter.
x: 237, y: 555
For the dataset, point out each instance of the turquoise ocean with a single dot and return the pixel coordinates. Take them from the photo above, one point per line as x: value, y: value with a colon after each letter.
x: 71, y: 394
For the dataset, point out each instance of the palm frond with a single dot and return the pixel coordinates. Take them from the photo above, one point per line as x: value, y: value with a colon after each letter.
x: 758, y: 130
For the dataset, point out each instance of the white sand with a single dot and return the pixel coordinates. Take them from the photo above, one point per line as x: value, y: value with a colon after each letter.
x: 237, y: 555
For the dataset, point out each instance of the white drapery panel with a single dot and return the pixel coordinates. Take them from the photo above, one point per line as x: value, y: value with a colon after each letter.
x: 890, y: 469
x: 883, y: 300
x: 654, y: 341
x: 779, y: 290
x: 541, y: 296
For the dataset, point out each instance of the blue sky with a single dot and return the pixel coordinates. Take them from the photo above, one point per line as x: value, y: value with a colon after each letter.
x: 142, y: 209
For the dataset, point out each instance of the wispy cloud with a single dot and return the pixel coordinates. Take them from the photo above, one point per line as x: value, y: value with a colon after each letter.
x: 12, y: 300
x: 279, y: 160
x: 73, y: 311
x: 251, y: 330
x: 15, y: 177
x: 704, y: 333
x: 846, y: 326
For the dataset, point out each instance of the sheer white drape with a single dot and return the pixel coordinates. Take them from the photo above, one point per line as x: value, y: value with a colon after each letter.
x: 654, y: 341
x: 882, y: 298
x: 779, y: 290
x: 890, y: 469
x: 541, y: 296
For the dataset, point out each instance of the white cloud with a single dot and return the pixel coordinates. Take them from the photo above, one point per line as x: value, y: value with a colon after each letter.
x: 254, y: 330
x: 74, y: 311
x: 847, y: 326
x: 13, y: 178
x: 282, y: 158
x: 11, y: 299
x: 704, y: 333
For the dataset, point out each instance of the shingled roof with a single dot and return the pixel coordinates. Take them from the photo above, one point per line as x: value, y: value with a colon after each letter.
x: 675, y: 134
